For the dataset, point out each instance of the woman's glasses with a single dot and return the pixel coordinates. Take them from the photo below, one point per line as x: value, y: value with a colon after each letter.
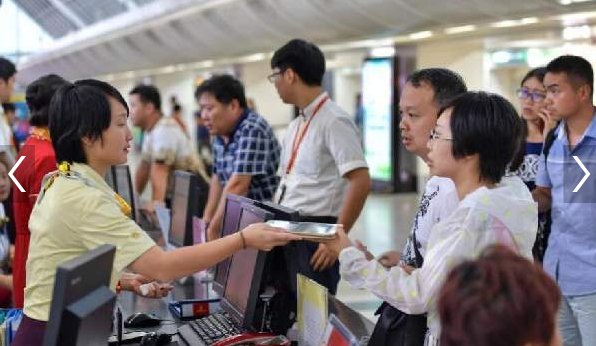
x: 534, y: 96
x: 434, y: 136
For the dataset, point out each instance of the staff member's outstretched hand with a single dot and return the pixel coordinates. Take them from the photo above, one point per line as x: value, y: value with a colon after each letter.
x: 133, y: 282
x: 264, y: 237
x: 340, y: 242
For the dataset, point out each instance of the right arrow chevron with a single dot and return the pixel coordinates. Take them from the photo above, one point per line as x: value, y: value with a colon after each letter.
x: 587, y: 174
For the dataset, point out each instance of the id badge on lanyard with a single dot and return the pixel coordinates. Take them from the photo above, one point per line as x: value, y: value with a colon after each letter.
x: 287, y: 179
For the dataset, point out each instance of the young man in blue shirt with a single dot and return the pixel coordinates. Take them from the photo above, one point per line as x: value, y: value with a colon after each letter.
x: 571, y: 254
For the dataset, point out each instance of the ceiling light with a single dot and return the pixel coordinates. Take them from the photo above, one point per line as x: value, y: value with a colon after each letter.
x: 529, y: 20
x: 420, y: 35
x: 252, y: 58
x: 515, y: 22
x: 577, y: 32
x: 569, y: 2
x: 501, y: 57
x: 460, y: 29
x: 576, y: 18
x: 382, y: 52
x: 203, y: 64
x: 504, y: 24
x: 167, y: 69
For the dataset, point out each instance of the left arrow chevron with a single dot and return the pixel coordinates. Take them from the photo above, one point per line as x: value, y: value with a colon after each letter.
x: 14, y: 168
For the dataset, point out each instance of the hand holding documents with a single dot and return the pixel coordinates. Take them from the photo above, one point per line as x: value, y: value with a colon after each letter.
x: 307, y: 230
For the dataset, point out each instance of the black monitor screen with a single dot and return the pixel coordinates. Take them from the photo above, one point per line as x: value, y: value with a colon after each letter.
x: 178, y: 225
x: 77, y: 282
x: 231, y: 220
x: 109, y: 178
x: 87, y: 321
x: 240, y: 279
x: 279, y: 211
x: 243, y: 268
x: 232, y: 211
x: 124, y: 185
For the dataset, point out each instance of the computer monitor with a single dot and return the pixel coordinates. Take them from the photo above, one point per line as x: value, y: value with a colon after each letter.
x: 279, y: 211
x: 245, y: 274
x: 82, y: 303
x: 181, y: 221
x: 186, y: 203
x: 110, y: 178
x: 232, y: 211
x: 282, y: 265
x: 123, y: 186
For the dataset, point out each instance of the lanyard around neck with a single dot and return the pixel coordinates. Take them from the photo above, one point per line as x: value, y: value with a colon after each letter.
x: 298, y: 137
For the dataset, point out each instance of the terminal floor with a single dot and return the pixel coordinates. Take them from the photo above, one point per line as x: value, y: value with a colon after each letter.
x: 383, y: 225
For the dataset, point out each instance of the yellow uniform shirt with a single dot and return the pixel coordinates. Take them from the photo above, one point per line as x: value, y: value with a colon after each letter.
x: 74, y: 215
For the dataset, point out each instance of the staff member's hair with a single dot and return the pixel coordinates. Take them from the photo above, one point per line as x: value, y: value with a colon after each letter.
x: 77, y: 111
x: 38, y: 96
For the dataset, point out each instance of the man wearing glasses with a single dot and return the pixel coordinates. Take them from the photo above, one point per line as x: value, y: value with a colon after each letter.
x: 324, y: 174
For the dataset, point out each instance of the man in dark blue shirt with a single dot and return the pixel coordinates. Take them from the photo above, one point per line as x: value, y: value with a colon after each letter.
x: 245, y: 150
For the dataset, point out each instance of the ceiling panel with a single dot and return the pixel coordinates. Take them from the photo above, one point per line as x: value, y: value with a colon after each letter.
x: 163, y: 32
x: 61, y: 17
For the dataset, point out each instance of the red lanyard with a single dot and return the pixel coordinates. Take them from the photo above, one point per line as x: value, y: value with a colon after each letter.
x: 298, y: 141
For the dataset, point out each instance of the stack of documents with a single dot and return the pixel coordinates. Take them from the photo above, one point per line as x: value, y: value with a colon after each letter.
x: 307, y: 230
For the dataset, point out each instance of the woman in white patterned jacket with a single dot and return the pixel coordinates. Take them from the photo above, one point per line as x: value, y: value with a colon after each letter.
x: 474, y: 140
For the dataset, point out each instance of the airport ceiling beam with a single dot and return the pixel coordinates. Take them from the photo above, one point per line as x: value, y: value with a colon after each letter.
x: 68, y: 13
x: 130, y: 4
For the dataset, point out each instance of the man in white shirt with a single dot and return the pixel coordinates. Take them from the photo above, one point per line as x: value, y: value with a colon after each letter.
x: 324, y: 174
x: 425, y: 92
x: 165, y: 146
x: 7, y: 78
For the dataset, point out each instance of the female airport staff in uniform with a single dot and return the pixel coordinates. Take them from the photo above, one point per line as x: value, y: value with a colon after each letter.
x: 77, y: 211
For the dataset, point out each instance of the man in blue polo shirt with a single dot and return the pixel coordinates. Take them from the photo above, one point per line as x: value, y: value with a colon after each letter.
x: 245, y: 150
x: 571, y: 254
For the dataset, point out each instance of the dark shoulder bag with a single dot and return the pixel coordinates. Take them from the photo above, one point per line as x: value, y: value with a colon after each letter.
x: 544, y: 219
x: 397, y: 328
x: 549, y: 140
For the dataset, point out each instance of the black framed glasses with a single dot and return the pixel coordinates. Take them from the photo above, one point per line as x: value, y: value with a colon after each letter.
x: 534, y: 96
x: 272, y: 76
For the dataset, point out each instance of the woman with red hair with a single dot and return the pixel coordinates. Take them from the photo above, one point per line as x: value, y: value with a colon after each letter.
x: 500, y: 299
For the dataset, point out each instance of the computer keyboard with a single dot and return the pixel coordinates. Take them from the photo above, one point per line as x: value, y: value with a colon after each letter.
x: 208, y: 330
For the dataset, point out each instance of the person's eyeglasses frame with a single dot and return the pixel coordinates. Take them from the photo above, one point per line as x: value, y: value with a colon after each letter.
x: 524, y: 94
x: 272, y: 76
x: 435, y: 136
